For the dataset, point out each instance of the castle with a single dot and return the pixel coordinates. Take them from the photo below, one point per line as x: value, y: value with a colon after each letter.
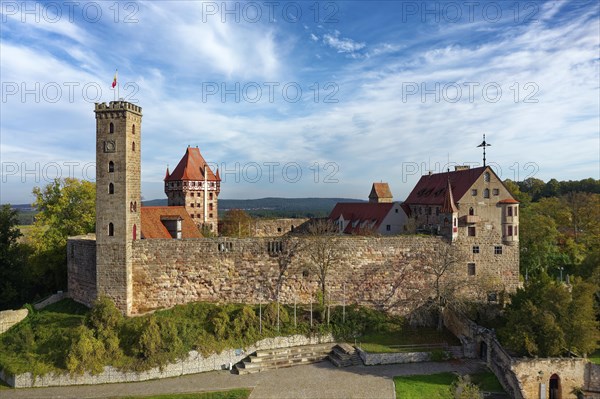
x: 146, y: 258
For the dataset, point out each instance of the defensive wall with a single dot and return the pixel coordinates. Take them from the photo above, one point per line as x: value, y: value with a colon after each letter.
x: 373, y: 271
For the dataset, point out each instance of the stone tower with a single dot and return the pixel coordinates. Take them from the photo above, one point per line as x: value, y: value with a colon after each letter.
x: 194, y: 185
x: 118, y: 198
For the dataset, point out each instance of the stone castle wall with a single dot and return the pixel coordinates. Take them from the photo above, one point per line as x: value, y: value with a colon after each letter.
x: 374, y: 271
x: 81, y: 269
x: 275, y: 227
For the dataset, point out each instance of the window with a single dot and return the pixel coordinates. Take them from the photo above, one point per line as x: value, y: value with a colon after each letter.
x: 210, y: 215
x: 279, y: 229
x: 135, y: 206
x: 475, y: 249
x: 437, y: 210
x: 133, y: 129
x: 210, y: 196
x: 210, y: 207
x: 191, y: 194
x: 509, y: 211
x: 509, y: 230
x: 474, y: 192
x: 471, y: 230
x: 131, y: 207
x: 471, y: 211
x: 111, y: 188
x: 274, y: 247
x: 492, y: 297
x: 471, y: 269
x: 111, y: 229
x: 486, y: 193
x: 486, y: 177
x: 192, y: 205
x: 133, y: 146
x: 134, y: 232
x: 496, y: 191
x: 111, y: 128
x: 516, y: 211
x: 497, y: 249
x: 516, y: 230
x: 111, y: 167
x: 225, y: 246
x: 396, y: 210
x: 388, y: 228
x: 429, y: 210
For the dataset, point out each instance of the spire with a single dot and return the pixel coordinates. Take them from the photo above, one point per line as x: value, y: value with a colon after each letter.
x: 449, y: 206
x: 483, y: 144
x: 167, y: 174
x: 217, y: 175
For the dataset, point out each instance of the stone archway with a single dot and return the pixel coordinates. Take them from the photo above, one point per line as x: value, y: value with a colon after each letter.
x: 554, y: 387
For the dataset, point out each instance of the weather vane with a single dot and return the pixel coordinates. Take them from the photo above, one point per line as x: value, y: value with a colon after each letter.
x: 483, y: 144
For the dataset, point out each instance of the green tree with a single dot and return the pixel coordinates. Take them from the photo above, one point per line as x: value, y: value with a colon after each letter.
x: 13, y: 255
x: 66, y: 207
x: 579, y: 324
x: 236, y: 223
x: 86, y: 353
x: 516, y: 192
x: 547, y: 317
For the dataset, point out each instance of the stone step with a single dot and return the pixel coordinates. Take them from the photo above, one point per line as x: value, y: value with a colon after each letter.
x: 344, y: 355
x: 294, y: 349
x: 283, y: 357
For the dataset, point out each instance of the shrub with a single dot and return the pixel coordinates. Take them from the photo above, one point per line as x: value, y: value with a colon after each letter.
x: 86, y: 353
x: 220, y: 323
x: 463, y: 388
x: 104, y: 317
x: 270, y: 315
x: 245, y: 322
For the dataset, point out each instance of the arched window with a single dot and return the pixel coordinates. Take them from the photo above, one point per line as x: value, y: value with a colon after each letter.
x: 111, y: 128
x: 111, y: 229
x: 133, y: 130
x: 133, y: 146
x: 111, y: 167
x: 134, y: 232
x: 111, y: 188
x: 135, y: 206
x: 471, y: 211
x: 131, y: 207
x: 486, y: 193
x: 486, y: 176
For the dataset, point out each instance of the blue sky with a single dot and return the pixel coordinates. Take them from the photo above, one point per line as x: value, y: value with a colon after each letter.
x: 304, y: 99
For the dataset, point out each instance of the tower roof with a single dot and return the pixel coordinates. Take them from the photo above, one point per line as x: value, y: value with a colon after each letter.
x: 192, y: 167
x: 448, y: 206
x: 380, y: 191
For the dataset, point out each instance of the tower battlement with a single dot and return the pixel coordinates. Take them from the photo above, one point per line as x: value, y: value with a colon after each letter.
x: 118, y: 106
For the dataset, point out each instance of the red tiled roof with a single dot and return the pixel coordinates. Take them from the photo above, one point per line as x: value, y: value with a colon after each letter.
x: 431, y: 189
x: 191, y: 167
x: 152, y: 226
x: 508, y: 201
x: 380, y: 190
x: 448, y: 206
x: 361, y: 211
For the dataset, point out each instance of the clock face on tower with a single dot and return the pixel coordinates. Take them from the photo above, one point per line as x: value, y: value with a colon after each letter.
x: 109, y: 146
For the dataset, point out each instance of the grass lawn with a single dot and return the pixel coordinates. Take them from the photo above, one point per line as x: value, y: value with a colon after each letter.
x: 380, y: 342
x: 437, y: 386
x: 487, y: 381
x: 595, y: 357
x: 232, y: 394
x: 433, y: 386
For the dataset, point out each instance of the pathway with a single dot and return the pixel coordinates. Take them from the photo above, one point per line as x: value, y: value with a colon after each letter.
x: 314, y: 381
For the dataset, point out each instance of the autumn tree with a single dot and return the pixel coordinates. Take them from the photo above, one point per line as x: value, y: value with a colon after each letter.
x: 236, y: 223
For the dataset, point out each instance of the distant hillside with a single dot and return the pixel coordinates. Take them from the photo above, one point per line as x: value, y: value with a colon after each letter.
x: 275, y: 207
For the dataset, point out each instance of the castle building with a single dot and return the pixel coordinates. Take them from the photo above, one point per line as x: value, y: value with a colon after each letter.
x: 378, y: 216
x: 193, y: 185
x: 147, y: 258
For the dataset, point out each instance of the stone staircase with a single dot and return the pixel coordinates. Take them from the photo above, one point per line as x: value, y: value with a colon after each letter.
x: 344, y: 355
x: 283, y: 357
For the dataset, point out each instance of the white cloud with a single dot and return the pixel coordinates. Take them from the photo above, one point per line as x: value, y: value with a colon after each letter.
x: 342, y: 45
x: 314, y: 37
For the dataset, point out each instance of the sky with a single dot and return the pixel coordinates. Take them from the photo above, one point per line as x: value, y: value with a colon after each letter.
x: 303, y: 99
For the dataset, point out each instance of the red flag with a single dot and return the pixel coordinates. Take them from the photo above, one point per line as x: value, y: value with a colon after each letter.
x: 114, y: 83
